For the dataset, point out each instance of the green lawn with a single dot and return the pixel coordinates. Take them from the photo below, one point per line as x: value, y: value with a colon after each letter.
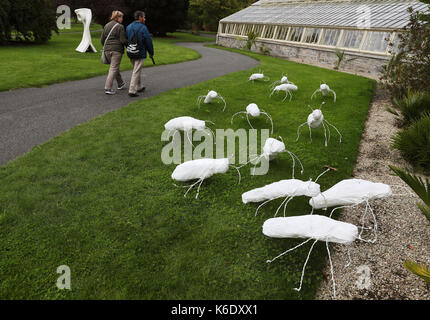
x: 79, y: 27
x: 99, y: 199
x: 57, y: 61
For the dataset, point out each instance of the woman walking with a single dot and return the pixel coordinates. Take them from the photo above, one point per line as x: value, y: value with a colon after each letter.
x: 114, y: 40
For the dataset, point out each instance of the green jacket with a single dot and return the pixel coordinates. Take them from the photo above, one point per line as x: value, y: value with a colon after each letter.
x: 117, y: 40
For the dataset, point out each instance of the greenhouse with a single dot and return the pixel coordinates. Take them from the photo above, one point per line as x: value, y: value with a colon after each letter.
x: 314, y: 31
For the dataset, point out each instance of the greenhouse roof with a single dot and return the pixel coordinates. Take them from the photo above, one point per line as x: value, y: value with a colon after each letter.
x: 382, y: 14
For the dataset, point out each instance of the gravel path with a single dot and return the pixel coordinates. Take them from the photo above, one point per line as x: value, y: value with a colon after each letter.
x: 29, y: 117
x: 403, y: 231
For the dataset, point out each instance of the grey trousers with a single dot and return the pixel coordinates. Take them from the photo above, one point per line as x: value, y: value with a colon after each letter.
x: 114, y: 71
x: 136, y: 77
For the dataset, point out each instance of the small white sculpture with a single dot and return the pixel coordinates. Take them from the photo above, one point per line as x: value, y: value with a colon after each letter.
x: 253, y: 111
x: 85, y: 16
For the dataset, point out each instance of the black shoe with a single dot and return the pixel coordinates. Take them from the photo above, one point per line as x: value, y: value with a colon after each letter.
x: 141, y: 90
x: 133, y: 95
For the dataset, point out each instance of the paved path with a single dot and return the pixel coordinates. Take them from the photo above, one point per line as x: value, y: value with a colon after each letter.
x: 29, y: 117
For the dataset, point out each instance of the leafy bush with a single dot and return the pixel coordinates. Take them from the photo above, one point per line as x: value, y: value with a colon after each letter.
x: 418, y: 269
x: 252, y: 38
x: 27, y: 20
x: 420, y: 187
x: 410, y: 66
x: 410, y: 108
x: 414, y: 143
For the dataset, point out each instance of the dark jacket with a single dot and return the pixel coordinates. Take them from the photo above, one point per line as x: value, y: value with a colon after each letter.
x: 143, y: 37
x: 117, y: 39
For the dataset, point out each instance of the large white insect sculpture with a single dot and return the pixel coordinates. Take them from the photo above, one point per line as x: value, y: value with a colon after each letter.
x: 258, y: 76
x: 325, y: 90
x: 316, y: 120
x: 311, y: 227
x: 284, y: 80
x: 187, y: 124
x: 351, y: 193
x: 211, y: 96
x: 287, y: 189
x: 287, y: 88
x: 200, y: 169
x: 253, y: 111
x: 272, y: 148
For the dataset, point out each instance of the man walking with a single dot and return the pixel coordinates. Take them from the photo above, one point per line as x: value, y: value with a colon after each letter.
x: 144, y: 41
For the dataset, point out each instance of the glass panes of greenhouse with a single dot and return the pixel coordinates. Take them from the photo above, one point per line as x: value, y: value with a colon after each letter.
x: 330, y: 37
x: 352, y: 39
x: 246, y: 29
x: 376, y: 41
x: 268, y: 33
x: 295, y: 34
x: 257, y: 29
x: 282, y: 32
x: 312, y: 35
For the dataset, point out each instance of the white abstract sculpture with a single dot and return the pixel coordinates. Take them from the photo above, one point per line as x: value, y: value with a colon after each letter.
x: 85, y: 16
x: 253, y: 111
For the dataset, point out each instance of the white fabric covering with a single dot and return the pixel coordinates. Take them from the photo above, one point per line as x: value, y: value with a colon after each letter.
x: 200, y: 169
x: 185, y: 124
x: 281, y: 189
x: 253, y: 110
x: 315, y: 119
x: 210, y: 96
x: 350, y: 192
x: 256, y: 76
x: 272, y: 148
x: 311, y: 226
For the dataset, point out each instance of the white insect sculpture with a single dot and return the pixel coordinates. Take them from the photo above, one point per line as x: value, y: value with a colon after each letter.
x: 258, y: 76
x: 311, y: 227
x: 200, y: 169
x: 351, y: 193
x: 315, y: 121
x: 272, y: 148
x: 325, y: 90
x: 287, y: 88
x: 187, y: 124
x: 211, y: 96
x: 253, y: 111
x: 85, y: 16
x: 284, y: 80
x: 287, y: 189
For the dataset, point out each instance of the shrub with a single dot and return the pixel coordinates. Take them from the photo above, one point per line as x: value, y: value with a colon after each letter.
x: 29, y: 20
x: 410, y: 66
x: 414, y: 143
x: 252, y: 38
x: 410, y: 108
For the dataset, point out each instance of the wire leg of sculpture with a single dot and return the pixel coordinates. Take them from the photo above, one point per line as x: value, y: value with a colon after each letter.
x: 188, y: 136
x: 267, y: 201
x: 331, y: 270
x: 334, y: 94
x: 247, y: 118
x: 286, y: 204
x: 225, y: 103
x: 325, y: 134
x: 270, y: 118
x: 236, y: 115
x: 298, y: 130
x: 375, y: 227
x: 282, y: 203
x: 191, y: 186
x: 301, y: 164
x: 340, y: 135
x: 304, y: 266
x: 199, y: 100
x: 318, y: 90
x: 289, y: 250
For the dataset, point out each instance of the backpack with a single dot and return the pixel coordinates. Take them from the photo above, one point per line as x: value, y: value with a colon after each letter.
x: 134, y: 50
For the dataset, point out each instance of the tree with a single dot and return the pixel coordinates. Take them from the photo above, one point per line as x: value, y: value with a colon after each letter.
x: 410, y: 66
x: 19, y: 16
x: 206, y: 14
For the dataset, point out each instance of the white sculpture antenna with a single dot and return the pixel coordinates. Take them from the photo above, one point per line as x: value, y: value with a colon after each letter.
x: 85, y: 16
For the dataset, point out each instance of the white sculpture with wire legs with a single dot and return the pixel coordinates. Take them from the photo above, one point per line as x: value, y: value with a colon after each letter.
x: 85, y: 16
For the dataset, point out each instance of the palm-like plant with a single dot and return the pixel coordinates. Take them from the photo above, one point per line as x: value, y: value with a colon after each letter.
x: 410, y: 108
x: 340, y: 57
x: 422, y: 189
x: 252, y: 37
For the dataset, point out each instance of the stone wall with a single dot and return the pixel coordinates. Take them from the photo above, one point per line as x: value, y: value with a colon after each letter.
x: 363, y: 64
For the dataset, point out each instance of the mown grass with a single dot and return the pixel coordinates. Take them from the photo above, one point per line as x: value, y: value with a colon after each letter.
x: 30, y: 65
x: 99, y: 199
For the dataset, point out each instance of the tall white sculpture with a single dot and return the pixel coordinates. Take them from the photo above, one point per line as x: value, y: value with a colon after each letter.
x: 85, y: 16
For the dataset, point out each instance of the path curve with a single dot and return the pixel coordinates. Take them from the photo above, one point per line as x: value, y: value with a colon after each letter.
x: 30, y: 117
